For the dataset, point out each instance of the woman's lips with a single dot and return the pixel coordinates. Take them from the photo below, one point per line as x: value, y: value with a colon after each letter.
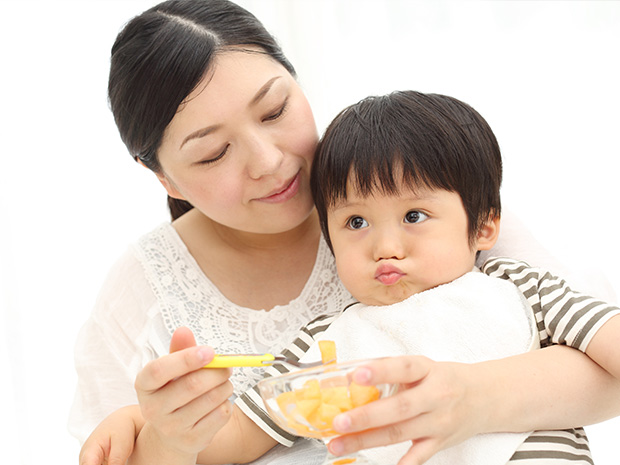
x: 285, y: 193
x: 388, y: 274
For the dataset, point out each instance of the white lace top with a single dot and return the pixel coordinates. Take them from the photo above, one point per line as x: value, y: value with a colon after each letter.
x: 157, y: 286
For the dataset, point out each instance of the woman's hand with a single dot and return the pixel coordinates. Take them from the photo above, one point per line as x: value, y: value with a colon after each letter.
x: 433, y: 409
x: 184, y: 405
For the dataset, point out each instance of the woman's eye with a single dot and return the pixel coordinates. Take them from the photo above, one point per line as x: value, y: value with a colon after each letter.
x: 415, y: 216
x: 278, y: 113
x: 356, y: 222
x: 216, y: 158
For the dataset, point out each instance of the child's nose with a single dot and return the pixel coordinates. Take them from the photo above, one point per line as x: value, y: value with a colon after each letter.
x: 388, y: 244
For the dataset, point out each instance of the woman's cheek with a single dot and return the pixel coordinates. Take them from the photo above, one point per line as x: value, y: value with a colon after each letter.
x: 307, y: 135
x: 222, y: 194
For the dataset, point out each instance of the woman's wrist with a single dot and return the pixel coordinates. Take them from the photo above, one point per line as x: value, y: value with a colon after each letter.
x: 494, y: 399
x: 479, y: 397
x: 553, y: 388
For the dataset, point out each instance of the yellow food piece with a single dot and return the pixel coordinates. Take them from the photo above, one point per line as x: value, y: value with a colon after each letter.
x: 328, y: 351
x: 310, y: 410
x: 361, y: 395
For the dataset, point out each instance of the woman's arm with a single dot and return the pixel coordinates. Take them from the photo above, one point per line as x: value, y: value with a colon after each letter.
x: 110, y: 347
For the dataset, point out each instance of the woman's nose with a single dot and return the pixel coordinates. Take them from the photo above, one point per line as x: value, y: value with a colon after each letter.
x: 264, y: 157
x: 388, y: 244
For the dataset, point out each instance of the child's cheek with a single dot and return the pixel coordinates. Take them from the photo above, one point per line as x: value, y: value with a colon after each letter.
x: 350, y: 269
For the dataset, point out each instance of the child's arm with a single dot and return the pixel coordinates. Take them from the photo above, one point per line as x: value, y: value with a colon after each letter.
x: 240, y: 440
x: 604, y: 348
x: 113, y: 440
x: 569, y: 316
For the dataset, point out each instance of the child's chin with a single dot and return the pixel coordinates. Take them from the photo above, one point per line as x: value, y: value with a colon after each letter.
x: 391, y: 295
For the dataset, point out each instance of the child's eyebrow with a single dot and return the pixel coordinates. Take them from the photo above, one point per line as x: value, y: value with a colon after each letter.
x: 425, y: 195
x: 340, y: 205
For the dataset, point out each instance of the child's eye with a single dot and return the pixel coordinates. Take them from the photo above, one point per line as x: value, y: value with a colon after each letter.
x: 415, y: 216
x: 356, y: 222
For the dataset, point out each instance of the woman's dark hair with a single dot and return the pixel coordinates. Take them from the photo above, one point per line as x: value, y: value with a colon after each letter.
x: 160, y: 57
x: 430, y: 140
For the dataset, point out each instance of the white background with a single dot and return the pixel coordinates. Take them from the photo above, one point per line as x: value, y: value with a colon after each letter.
x: 544, y: 74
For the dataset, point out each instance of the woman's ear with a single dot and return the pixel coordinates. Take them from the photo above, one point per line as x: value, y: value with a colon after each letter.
x: 488, y: 234
x: 163, y: 179
x: 169, y: 186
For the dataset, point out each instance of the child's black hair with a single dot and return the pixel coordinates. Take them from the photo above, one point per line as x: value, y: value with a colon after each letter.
x: 431, y: 140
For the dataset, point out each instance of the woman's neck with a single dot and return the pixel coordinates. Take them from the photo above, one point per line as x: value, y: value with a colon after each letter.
x: 195, y: 224
x: 259, y: 243
x: 252, y: 270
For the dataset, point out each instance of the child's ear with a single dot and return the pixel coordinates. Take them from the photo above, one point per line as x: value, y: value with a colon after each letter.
x: 488, y: 234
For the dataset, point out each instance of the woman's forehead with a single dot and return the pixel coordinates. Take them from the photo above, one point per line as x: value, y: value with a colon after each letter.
x: 237, y: 72
x: 237, y: 81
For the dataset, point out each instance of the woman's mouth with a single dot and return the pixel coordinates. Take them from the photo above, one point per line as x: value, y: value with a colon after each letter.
x: 284, y: 193
x: 388, y: 274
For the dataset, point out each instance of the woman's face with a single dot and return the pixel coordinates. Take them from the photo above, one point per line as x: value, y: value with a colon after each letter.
x: 241, y: 146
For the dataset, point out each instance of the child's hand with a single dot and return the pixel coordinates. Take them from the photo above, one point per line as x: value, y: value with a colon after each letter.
x: 183, y: 404
x: 111, y: 443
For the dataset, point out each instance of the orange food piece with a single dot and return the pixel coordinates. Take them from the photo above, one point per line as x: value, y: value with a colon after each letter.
x: 310, y: 409
x: 361, y: 395
x: 337, y: 396
x: 306, y: 407
x: 302, y: 430
x: 310, y: 390
x: 334, y: 381
x: 345, y: 461
x: 328, y: 351
x: 286, y: 402
x: 326, y: 414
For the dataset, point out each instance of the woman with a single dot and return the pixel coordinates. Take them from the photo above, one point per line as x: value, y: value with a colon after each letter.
x: 203, y: 96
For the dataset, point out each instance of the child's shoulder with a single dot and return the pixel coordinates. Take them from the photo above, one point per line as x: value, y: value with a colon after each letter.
x: 493, y: 265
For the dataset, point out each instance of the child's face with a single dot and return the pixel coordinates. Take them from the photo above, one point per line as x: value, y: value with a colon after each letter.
x: 389, y: 247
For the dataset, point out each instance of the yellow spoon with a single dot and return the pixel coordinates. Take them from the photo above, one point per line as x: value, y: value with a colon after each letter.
x: 255, y: 360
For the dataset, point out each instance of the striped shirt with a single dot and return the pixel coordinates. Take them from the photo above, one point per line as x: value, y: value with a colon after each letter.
x: 563, y: 316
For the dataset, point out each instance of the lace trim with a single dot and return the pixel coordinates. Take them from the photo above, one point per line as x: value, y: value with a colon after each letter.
x: 186, y: 297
